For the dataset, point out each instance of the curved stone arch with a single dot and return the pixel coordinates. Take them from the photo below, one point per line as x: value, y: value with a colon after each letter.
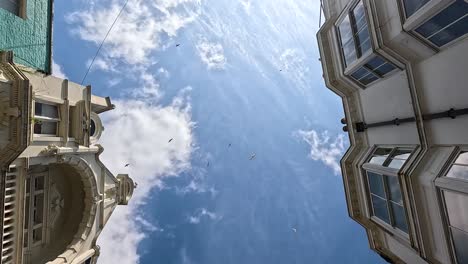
x: 92, y: 197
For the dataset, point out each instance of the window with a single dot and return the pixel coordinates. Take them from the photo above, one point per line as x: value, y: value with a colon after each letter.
x: 457, y: 213
x: 384, y: 186
x: 34, y: 212
x: 454, y: 195
x: 10, y: 5
x: 355, y: 43
x: 438, y: 26
x: 354, y: 33
x: 411, y: 6
x: 46, y: 118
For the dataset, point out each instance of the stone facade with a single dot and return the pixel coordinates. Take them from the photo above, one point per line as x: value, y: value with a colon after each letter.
x: 400, y: 68
x: 57, y: 194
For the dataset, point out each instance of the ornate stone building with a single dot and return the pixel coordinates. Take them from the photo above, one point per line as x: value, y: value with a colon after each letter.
x: 400, y: 67
x: 56, y: 195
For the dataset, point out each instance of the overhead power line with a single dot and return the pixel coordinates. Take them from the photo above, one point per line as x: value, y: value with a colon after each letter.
x: 102, y: 43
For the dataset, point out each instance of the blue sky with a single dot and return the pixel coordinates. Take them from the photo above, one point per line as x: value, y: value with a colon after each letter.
x: 245, y: 80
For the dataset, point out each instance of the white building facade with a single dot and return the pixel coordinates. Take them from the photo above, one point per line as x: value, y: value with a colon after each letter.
x: 56, y: 195
x: 401, y: 68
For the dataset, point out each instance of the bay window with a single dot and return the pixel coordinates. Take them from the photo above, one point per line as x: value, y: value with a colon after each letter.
x: 453, y: 188
x: 443, y: 22
x: 385, y: 195
x: 360, y: 62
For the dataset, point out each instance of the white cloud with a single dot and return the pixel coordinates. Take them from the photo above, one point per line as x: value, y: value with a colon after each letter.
x: 246, y: 5
x: 57, y: 71
x: 137, y: 133
x: 164, y: 73
x: 201, y: 213
x: 323, y: 148
x: 139, y: 29
x: 212, y: 54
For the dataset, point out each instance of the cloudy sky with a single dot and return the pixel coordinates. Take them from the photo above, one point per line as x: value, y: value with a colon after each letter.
x: 225, y: 80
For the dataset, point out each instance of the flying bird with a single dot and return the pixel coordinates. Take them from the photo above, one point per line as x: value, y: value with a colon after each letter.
x: 170, y: 140
x: 252, y: 156
x: 128, y: 164
x: 208, y: 164
x: 177, y: 45
x: 281, y: 70
x: 229, y: 145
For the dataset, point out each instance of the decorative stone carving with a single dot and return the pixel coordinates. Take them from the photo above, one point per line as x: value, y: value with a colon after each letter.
x: 50, y: 150
x: 56, y: 204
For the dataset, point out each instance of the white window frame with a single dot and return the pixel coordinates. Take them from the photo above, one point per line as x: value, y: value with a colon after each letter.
x: 28, y: 243
x: 454, y: 185
x: 366, y: 56
x: 47, y: 119
x: 388, y: 172
x: 425, y: 13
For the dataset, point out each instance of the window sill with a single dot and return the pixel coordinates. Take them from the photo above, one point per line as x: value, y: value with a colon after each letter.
x: 37, y: 137
x: 395, y: 232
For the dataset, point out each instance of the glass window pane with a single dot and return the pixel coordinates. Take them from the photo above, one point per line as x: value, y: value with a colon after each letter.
x: 363, y: 41
x: 457, y: 209
x: 375, y: 62
x: 399, y: 217
x: 444, y: 18
x: 359, y: 16
x: 26, y: 213
x: 45, y: 127
x: 460, y: 241
x: 37, y: 108
x: 411, y: 6
x: 37, y: 235
x: 368, y: 79
x: 361, y: 72
x: 376, y: 184
x: 384, y: 69
x: 39, y: 183
x: 38, y: 208
x: 380, y: 155
x: 396, y: 163
x: 451, y: 33
x: 462, y: 158
x: 458, y: 172
x: 347, y: 42
x: 394, y: 189
x: 10, y: 5
x: 402, y: 154
x: 380, y: 208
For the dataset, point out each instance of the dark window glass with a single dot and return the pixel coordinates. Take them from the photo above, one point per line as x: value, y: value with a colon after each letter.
x: 361, y: 72
x: 399, y: 217
x: 92, y: 128
x: 363, y: 41
x: 446, y: 26
x: 370, y: 78
x: 451, y: 33
x: 394, y: 189
x: 10, y: 5
x: 460, y: 241
x: 376, y: 184
x: 380, y: 208
x: 411, y: 6
x: 359, y: 14
x: 88, y: 261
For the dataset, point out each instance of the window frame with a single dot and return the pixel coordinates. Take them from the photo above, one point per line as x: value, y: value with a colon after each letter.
x: 454, y: 185
x: 421, y: 16
x: 22, y: 9
x: 366, y: 57
x: 56, y: 120
x: 28, y: 240
x: 386, y: 171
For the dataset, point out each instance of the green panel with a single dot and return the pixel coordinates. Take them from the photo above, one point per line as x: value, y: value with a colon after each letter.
x: 28, y: 38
